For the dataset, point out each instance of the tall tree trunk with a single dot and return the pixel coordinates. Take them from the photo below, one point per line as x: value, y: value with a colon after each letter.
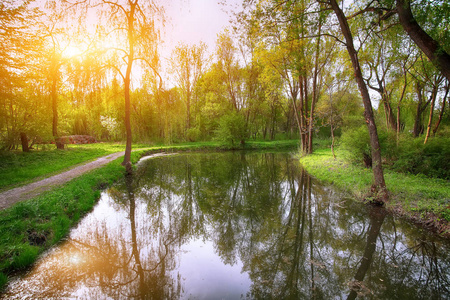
x: 315, y: 89
x: 421, y: 107
x: 24, y: 141
x: 296, y: 113
x: 390, y: 120
x: 332, y: 125
x: 381, y: 193
x: 11, y: 130
x: 303, y: 113
x: 430, y: 117
x: 127, y: 82
x: 418, y: 119
x: 398, y: 105
x: 54, y: 96
x: 188, y: 109
x: 441, y: 113
x: 273, y: 122
x: 430, y: 47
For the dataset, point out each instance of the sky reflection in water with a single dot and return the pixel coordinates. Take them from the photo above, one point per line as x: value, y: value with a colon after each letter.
x: 235, y: 225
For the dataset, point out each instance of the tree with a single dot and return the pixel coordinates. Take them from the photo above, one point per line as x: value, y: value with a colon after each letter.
x: 293, y: 31
x: 131, y: 25
x: 381, y: 192
x: 435, y: 52
x: 19, y: 47
x: 188, y: 65
x: 55, y: 58
x: 338, y: 107
x: 230, y: 70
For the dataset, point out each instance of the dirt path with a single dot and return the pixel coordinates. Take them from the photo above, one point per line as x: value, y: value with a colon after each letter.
x: 10, y: 197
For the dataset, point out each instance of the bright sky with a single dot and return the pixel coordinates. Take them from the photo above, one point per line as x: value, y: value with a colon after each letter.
x: 192, y: 21
x: 187, y: 21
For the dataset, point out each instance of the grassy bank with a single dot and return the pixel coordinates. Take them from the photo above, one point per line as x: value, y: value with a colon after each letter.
x: 421, y: 199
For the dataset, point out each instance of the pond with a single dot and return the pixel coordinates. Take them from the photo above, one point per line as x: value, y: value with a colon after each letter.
x: 237, y: 225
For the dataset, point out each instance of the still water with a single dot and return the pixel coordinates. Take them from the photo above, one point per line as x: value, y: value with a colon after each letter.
x: 237, y: 225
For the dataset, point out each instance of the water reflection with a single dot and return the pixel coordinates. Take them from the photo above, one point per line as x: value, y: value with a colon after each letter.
x: 236, y: 225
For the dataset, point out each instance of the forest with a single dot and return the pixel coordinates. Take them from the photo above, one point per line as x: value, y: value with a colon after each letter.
x: 370, y: 76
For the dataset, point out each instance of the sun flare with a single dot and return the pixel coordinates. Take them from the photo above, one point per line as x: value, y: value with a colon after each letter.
x: 72, y: 51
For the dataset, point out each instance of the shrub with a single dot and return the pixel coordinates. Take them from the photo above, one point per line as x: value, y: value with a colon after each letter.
x: 193, y: 134
x: 431, y: 159
x: 231, y: 130
x: 357, y: 142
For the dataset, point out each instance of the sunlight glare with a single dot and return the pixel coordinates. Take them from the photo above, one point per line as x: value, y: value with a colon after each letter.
x: 72, y: 51
x: 75, y: 259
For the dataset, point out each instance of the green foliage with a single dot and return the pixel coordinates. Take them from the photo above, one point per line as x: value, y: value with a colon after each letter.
x: 409, y: 156
x: 431, y: 159
x: 193, y: 134
x: 231, y: 131
x: 357, y: 143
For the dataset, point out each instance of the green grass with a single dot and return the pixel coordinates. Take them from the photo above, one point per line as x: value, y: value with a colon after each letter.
x: 19, y: 167
x: 339, y: 172
x: 413, y: 194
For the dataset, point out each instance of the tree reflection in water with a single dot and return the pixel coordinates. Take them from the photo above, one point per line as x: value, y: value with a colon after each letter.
x: 288, y: 235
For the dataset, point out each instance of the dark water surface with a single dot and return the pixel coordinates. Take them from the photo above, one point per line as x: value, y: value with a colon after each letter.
x: 237, y: 225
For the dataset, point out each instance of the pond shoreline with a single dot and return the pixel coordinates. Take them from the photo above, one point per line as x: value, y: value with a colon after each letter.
x: 430, y: 213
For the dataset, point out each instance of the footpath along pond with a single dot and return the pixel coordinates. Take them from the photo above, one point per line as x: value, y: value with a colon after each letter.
x: 237, y: 225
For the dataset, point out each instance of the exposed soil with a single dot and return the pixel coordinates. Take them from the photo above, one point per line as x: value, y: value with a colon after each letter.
x: 429, y: 221
x: 10, y: 197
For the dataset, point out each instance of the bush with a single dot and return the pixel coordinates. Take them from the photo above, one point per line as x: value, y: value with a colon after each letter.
x: 431, y: 159
x: 410, y: 156
x: 193, y: 134
x: 357, y: 142
x: 231, y: 129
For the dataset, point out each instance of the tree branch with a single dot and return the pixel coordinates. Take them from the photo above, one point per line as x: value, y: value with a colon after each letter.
x: 426, y: 43
x: 154, y: 70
